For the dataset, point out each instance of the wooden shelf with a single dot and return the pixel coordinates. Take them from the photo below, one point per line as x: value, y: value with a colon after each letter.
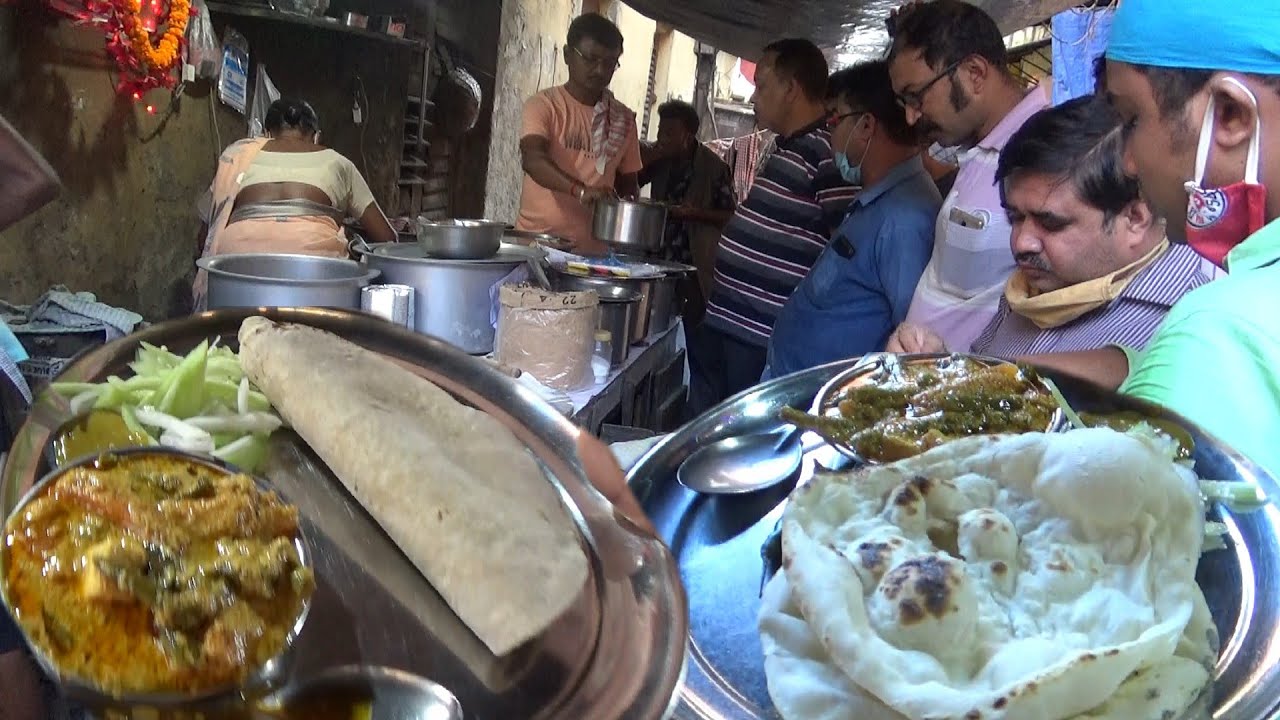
x: 266, y: 13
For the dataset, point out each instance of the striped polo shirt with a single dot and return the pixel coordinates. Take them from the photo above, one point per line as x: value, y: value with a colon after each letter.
x: 1129, y: 320
x: 776, y: 235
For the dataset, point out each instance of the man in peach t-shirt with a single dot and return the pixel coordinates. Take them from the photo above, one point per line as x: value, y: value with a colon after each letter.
x: 578, y: 143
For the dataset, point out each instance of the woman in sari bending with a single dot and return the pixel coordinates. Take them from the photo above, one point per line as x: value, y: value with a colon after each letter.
x: 286, y: 193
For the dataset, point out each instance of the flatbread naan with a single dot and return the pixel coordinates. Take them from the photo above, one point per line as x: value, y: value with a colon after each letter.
x: 1034, y: 576
x: 453, y: 487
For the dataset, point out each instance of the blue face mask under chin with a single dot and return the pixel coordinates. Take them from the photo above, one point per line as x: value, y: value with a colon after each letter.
x: 852, y: 174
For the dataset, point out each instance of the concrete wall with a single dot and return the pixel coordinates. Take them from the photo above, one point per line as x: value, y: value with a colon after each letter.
x: 631, y: 82
x: 530, y: 43
x: 125, y: 226
x: 677, y: 70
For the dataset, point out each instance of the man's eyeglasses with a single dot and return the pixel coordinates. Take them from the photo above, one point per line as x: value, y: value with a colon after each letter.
x: 608, y: 63
x: 914, y: 98
x: 834, y: 120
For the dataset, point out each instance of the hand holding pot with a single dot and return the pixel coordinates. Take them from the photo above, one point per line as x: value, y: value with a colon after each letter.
x: 592, y: 195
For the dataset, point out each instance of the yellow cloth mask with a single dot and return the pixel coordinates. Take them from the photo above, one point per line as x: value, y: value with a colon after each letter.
x: 1059, y: 307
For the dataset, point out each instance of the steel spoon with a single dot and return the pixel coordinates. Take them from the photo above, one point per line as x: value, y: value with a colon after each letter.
x: 745, y: 463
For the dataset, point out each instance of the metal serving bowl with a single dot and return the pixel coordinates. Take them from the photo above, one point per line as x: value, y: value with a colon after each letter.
x: 391, y: 695
x: 460, y: 239
x: 631, y: 225
x: 161, y: 706
x: 878, y: 368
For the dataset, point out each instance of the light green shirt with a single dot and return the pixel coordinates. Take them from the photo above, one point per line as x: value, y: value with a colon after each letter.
x: 1216, y: 358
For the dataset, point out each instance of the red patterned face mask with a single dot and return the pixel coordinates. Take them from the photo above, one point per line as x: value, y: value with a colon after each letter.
x: 1218, y: 219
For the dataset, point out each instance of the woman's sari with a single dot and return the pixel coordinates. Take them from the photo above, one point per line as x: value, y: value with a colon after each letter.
x: 297, y: 227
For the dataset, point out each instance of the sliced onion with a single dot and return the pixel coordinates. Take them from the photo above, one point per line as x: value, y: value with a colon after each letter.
x: 184, y: 442
x: 85, y: 400
x: 250, y: 422
x: 169, y: 424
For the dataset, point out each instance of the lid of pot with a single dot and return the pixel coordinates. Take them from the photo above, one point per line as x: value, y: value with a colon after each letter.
x: 508, y: 254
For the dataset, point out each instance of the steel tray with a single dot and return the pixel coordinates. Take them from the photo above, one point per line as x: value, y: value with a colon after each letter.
x: 617, y: 653
x: 717, y: 542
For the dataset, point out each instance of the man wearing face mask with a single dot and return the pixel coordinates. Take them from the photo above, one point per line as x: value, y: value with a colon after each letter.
x: 950, y: 73
x: 1094, y: 267
x: 776, y: 233
x: 578, y: 143
x: 861, y: 286
x: 1202, y: 126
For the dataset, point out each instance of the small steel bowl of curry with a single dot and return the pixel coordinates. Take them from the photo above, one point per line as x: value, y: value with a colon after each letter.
x: 890, y: 407
x: 361, y: 692
x: 154, y: 582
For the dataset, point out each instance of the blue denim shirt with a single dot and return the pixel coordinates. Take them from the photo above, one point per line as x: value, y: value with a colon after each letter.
x: 861, y: 286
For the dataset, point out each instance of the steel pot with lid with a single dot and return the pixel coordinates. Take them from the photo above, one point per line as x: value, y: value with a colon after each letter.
x: 631, y: 225
x: 451, y: 297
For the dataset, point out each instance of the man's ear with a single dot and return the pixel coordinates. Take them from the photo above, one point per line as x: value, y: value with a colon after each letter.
x: 1235, y: 116
x: 1137, y: 219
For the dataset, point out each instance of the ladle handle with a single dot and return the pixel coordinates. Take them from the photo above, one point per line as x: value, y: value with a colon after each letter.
x: 808, y: 441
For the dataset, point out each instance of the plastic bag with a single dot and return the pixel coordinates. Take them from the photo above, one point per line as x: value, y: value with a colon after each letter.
x: 233, y: 77
x: 264, y: 93
x: 203, y: 51
x: 549, y: 335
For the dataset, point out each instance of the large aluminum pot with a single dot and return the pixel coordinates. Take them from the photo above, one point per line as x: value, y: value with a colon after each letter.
x: 451, y: 297
x: 561, y: 279
x: 460, y: 239
x: 633, y: 225
x: 278, y: 280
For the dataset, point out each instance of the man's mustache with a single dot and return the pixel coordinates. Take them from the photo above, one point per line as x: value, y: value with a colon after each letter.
x: 1033, y: 260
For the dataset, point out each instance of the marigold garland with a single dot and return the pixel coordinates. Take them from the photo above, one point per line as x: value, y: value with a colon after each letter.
x: 143, y: 66
x: 163, y: 56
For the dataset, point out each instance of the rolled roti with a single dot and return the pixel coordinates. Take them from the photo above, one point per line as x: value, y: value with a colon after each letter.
x: 453, y: 487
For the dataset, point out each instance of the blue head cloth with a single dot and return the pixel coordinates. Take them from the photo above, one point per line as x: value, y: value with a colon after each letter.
x: 1240, y: 36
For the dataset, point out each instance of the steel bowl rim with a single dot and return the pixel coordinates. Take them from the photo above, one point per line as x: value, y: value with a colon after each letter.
x: 380, y: 252
x: 635, y: 202
x: 628, y: 296
x: 461, y: 223
x: 80, y: 684
x: 361, y: 671
x: 209, y: 265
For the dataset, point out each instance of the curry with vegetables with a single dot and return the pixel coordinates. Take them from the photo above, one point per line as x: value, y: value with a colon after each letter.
x: 151, y: 572
x: 922, y: 405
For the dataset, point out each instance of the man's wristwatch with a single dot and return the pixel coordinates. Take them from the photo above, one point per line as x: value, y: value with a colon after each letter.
x: 578, y: 191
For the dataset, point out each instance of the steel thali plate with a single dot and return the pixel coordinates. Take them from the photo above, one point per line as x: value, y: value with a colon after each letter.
x: 617, y: 653
x: 717, y: 542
